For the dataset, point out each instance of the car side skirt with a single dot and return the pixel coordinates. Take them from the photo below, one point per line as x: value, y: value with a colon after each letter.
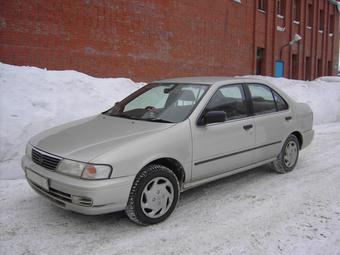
x: 191, y: 185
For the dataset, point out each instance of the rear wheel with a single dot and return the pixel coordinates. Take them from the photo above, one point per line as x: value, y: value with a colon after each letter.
x: 288, y: 157
x: 154, y: 195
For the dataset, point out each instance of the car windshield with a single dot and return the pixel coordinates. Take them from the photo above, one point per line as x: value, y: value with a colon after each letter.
x: 160, y: 102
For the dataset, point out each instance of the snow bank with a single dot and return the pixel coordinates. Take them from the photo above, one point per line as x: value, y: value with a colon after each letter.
x: 33, y: 99
x: 322, y: 96
x: 329, y: 79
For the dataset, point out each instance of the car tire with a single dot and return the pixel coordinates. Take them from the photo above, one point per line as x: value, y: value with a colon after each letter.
x: 153, y: 196
x: 288, y: 157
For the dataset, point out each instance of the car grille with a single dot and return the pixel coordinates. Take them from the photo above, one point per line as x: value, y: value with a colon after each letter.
x: 42, y: 159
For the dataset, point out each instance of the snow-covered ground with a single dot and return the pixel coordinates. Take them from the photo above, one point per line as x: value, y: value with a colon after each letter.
x: 256, y: 212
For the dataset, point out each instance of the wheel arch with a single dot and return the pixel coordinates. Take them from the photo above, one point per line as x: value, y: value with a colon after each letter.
x: 299, y: 136
x: 174, y: 165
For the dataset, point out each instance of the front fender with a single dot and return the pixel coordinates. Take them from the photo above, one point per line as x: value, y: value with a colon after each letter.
x: 131, y: 155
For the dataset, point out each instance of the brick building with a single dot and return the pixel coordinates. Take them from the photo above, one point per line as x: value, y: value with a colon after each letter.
x: 151, y: 39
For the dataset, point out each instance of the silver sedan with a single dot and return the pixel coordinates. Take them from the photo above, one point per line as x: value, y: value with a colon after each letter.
x: 167, y: 137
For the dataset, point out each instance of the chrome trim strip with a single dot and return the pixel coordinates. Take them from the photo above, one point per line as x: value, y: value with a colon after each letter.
x: 234, y: 153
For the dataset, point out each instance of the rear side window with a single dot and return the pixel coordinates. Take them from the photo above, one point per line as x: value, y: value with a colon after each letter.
x: 262, y: 99
x: 280, y: 102
x: 231, y: 100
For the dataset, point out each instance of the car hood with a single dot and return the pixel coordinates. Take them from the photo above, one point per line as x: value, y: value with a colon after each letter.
x: 85, y: 139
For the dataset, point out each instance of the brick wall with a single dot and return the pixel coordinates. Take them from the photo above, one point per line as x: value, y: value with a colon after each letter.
x: 152, y: 39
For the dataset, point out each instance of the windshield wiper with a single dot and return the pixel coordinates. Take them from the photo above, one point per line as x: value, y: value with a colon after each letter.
x: 134, y: 118
x: 125, y: 116
x: 159, y: 120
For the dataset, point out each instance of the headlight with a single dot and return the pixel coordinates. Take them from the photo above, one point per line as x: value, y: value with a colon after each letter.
x: 83, y: 170
x: 70, y: 167
x: 28, y: 150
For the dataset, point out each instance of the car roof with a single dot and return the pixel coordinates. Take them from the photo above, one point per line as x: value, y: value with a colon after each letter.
x: 209, y: 80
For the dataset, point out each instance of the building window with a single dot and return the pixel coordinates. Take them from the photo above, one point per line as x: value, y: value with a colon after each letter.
x: 308, y: 71
x: 280, y: 7
x: 330, y: 68
x: 319, y: 67
x: 331, y: 24
x: 310, y: 15
x: 262, y: 5
x: 260, y: 61
x: 296, y: 10
x: 321, y: 20
x: 295, y: 66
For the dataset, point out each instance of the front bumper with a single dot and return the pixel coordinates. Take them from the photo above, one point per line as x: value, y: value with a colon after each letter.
x: 89, y: 197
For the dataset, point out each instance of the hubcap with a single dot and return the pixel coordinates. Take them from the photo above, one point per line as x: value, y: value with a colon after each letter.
x: 290, y: 155
x: 157, y: 197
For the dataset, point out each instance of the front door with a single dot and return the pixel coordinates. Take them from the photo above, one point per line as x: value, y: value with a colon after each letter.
x: 222, y: 147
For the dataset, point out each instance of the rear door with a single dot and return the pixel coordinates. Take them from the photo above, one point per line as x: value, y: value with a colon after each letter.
x: 222, y: 147
x: 273, y: 121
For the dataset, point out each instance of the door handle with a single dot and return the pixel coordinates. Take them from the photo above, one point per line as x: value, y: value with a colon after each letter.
x: 247, y: 127
x: 288, y: 118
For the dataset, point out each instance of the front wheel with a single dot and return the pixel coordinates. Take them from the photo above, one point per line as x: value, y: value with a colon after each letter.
x: 288, y: 157
x: 154, y: 195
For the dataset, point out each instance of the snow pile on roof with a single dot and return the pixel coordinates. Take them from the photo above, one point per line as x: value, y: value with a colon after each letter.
x: 34, y: 99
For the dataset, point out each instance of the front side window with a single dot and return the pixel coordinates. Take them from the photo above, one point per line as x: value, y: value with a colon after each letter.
x: 161, y: 102
x: 262, y: 99
x: 231, y: 100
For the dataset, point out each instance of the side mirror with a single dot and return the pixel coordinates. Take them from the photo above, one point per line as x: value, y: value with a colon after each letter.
x: 213, y: 117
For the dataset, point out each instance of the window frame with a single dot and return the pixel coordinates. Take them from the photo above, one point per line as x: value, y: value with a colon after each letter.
x: 331, y: 24
x: 147, y: 87
x: 321, y: 25
x: 246, y: 99
x: 272, y: 92
x: 276, y: 103
x: 280, y: 6
x: 262, y: 4
x: 249, y: 103
x: 296, y: 11
x: 310, y: 15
